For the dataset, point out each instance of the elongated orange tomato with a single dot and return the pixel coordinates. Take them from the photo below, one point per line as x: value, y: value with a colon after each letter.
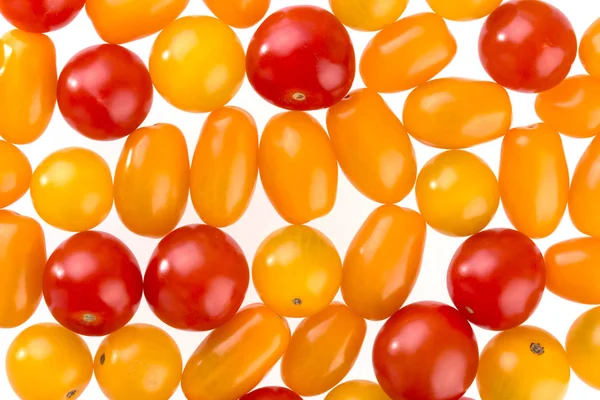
x: 534, y: 179
x: 584, y: 194
x: 456, y: 113
x: 27, y: 85
x: 372, y: 146
x: 298, y: 168
x: 463, y: 10
x: 368, y: 15
x: 224, y: 166
x: 152, y: 180
x: 583, y: 349
x: 357, y: 390
x: 239, y: 13
x: 235, y: 357
x: 15, y: 174
x: 589, y: 49
x: 383, y: 262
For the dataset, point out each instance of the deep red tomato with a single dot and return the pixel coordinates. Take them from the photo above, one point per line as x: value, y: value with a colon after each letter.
x: 301, y: 58
x: 92, y: 283
x: 271, y: 393
x: 496, y: 278
x: 527, y: 45
x: 426, y: 351
x: 197, y: 278
x: 105, y: 92
x: 40, y: 16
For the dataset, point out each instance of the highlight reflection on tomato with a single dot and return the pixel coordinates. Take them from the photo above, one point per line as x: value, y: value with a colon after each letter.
x: 271, y: 393
x: 40, y: 16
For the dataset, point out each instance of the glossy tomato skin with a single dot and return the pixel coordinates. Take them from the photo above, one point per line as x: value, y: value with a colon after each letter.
x: 463, y: 10
x: 312, y: 68
x: 527, y: 45
x: 583, y: 350
x: 239, y: 13
x: 368, y: 15
x: 105, y: 92
x: 416, y: 353
x: 197, y: 278
x: 271, y: 393
x: 589, y: 50
x: 39, y: 16
x: 357, y: 390
x: 584, y: 192
x: 15, y: 174
x: 92, y: 283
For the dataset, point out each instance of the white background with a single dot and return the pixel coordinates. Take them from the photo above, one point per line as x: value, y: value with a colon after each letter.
x: 351, y: 209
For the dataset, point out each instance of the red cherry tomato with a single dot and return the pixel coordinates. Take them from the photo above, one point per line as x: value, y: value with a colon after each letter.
x: 496, y: 278
x: 197, y: 278
x: 40, y: 16
x: 105, y: 92
x: 271, y: 393
x: 527, y: 45
x: 426, y: 351
x: 92, y: 284
x: 301, y: 58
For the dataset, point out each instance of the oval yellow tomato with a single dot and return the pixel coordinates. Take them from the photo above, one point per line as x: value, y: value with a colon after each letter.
x: 589, y: 49
x: 584, y: 194
x: 239, y: 13
x: 15, y: 174
x: 357, y: 390
x: 463, y: 10
x: 583, y: 349
x: 368, y: 15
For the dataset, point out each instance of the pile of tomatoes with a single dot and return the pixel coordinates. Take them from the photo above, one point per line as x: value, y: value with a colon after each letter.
x: 300, y: 58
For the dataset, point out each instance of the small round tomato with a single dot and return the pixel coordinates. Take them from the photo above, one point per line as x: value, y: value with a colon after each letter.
x: 271, y: 393
x: 584, y: 194
x: 357, y: 390
x: 15, y: 174
x: 463, y: 10
x: 589, y: 49
x: 426, y: 350
x: 197, y: 278
x: 583, y: 349
x: 368, y: 15
x: 312, y: 68
x: 239, y: 13
x: 40, y: 15
x: 92, y: 283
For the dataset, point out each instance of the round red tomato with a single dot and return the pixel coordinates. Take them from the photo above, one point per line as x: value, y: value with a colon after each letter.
x: 527, y: 45
x: 92, y: 283
x: 197, y: 278
x: 301, y: 58
x: 105, y: 92
x: 496, y: 278
x: 40, y: 16
x: 426, y: 351
x: 271, y: 393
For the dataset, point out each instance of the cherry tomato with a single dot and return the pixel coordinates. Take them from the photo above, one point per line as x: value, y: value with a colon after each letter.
x: 496, y: 278
x: 312, y: 68
x: 425, y: 351
x: 195, y: 74
x: 589, y: 49
x: 239, y: 13
x: 523, y: 363
x: 138, y: 361
x: 235, y: 357
x: 92, y: 283
x: 47, y: 362
x: 197, y: 278
x: 455, y: 113
x: 457, y: 193
x: 22, y: 260
x: 72, y: 189
x: 584, y: 193
x: 357, y: 390
x: 298, y: 168
x: 297, y: 271
x: 368, y: 15
x: 152, y: 180
x: 40, y: 16
x: 372, y: 147
x: 407, y: 53
x: 15, y: 174
x: 271, y: 393
x: 225, y: 166
x: 322, y: 350
x: 583, y: 349
x: 533, y: 167
x: 383, y: 262
x: 463, y: 10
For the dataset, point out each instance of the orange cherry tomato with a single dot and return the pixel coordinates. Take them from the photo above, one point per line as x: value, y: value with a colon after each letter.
x: 456, y: 113
x: 195, y: 74
x: 22, y: 261
x: 138, y: 361
x: 124, y: 21
x: 27, y: 85
x: 463, y: 10
x: 457, y: 193
x: 368, y: 15
x: 372, y: 146
x: 589, y: 49
x: 72, y: 189
x: 407, y: 53
x: 584, y: 194
x: 298, y: 168
x: 534, y: 179
x: 583, y: 349
x: 357, y: 390
x: 297, y: 271
x: 152, y: 180
x: 235, y: 357
x: 225, y: 166
x: 239, y: 13
x: 323, y: 349
x: 15, y: 174
x: 383, y: 262
x: 48, y: 362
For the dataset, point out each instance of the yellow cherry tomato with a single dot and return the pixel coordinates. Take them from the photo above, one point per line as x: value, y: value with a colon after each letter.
x: 584, y: 194
x: 589, y: 49
x: 27, y: 85
x: 48, y: 362
x: 138, y: 361
x: 456, y: 113
x: 297, y: 271
x: 457, y: 193
x: 407, y: 53
x: 72, y: 189
x: 225, y: 166
x: 239, y: 13
x: 583, y: 348
x: 193, y: 73
x: 534, y: 179
x: 15, y: 174
x: 383, y: 262
x: 372, y: 146
x: 152, y: 180
x: 298, y: 168
x: 368, y: 15
x: 463, y: 10
x: 235, y: 357
x: 357, y: 390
